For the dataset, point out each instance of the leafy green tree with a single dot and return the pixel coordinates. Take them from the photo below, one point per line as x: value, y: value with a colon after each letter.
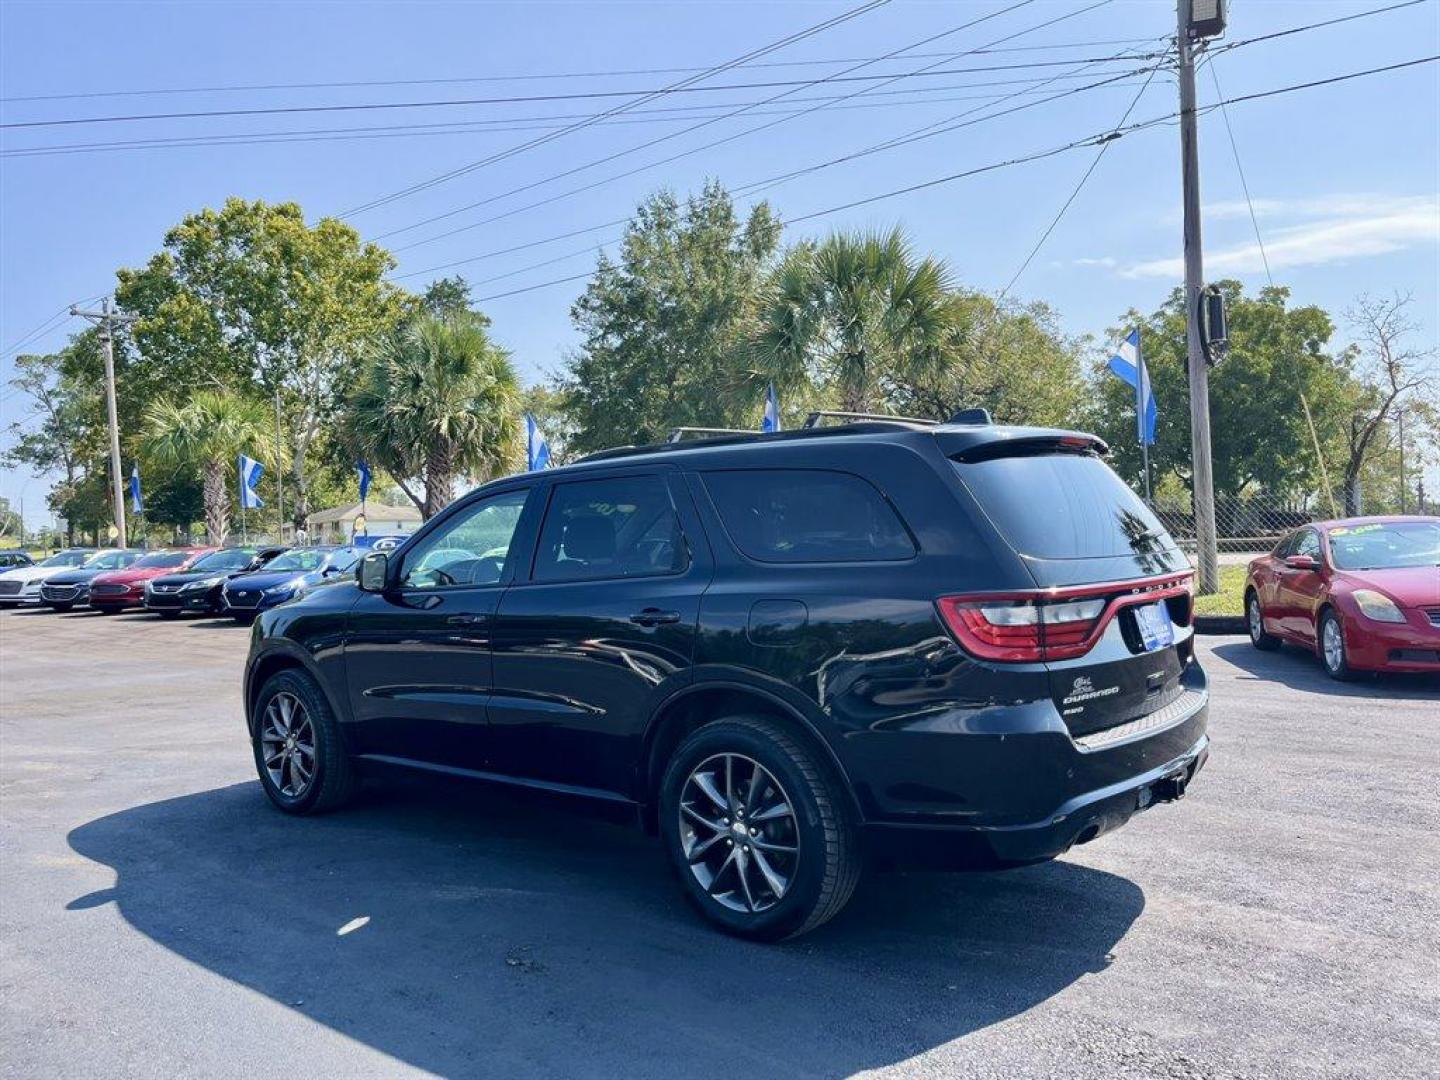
x: 850, y: 312
x: 208, y: 429
x: 1008, y: 358
x: 665, y: 320
x: 250, y: 294
x: 11, y: 524
x: 174, y: 498
x: 446, y: 296
x: 436, y: 400
x: 69, y: 440
x: 1259, y: 436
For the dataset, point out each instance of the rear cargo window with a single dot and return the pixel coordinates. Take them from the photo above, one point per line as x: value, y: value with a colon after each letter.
x: 1063, y: 506
x: 807, y: 515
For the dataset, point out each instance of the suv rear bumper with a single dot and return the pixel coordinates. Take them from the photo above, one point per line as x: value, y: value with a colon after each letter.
x: 1078, y: 821
x: 1013, y: 786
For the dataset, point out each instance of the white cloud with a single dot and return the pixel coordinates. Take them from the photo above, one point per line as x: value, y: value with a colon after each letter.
x: 1109, y: 262
x: 1330, y: 229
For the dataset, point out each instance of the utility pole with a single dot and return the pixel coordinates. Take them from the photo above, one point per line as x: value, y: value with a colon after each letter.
x: 1202, y: 475
x: 105, y: 320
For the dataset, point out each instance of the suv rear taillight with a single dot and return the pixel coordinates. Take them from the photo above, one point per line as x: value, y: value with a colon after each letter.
x: 1048, y: 624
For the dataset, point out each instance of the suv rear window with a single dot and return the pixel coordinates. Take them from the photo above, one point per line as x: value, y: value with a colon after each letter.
x: 807, y: 515
x: 1062, y: 506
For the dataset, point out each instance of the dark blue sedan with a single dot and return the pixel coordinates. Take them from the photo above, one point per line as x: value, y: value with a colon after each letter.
x: 284, y: 578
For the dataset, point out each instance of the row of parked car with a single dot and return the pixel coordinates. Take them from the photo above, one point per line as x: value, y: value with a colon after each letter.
x: 235, y: 581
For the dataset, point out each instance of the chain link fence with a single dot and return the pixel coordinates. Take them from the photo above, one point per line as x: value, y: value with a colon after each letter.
x: 1253, y: 524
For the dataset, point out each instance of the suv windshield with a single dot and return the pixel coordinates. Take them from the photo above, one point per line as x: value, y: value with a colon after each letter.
x: 229, y: 559
x: 1386, y: 545
x: 1063, y: 506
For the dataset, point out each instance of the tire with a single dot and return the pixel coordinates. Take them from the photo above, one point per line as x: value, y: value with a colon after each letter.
x: 1259, y: 636
x: 332, y: 780
x: 822, y: 866
x: 1334, y: 660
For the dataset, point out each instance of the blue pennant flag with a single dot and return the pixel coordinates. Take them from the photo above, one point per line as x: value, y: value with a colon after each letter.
x: 250, y: 473
x: 771, y: 421
x: 364, y: 470
x: 1129, y: 364
x: 537, y: 450
x: 137, y: 504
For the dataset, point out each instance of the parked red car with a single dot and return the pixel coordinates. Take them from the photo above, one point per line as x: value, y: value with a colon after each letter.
x: 1364, y: 593
x: 120, y: 589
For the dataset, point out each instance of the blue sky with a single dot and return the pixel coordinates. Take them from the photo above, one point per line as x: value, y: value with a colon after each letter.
x: 1345, y: 178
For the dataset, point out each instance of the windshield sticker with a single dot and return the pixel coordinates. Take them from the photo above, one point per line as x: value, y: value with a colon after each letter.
x: 1355, y: 530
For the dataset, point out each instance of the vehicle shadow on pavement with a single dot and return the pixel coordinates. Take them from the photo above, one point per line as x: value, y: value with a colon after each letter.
x: 1299, y: 669
x: 520, y: 940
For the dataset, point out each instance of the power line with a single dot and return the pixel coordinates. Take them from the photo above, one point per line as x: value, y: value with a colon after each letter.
x: 1316, y: 25
x: 705, y: 146
x: 45, y: 327
x: 745, y: 189
x: 1099, y: 156
x: 682, y: 85
x: 508, y: 124
x: 1244, y: 186
x: 750, y: 188
x: 1093, y: 140
x: 531, y: 77
x: 514, y: 100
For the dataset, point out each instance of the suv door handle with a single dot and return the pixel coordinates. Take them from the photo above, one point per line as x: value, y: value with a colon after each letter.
x: 654, y: 617
x: 465, y: 619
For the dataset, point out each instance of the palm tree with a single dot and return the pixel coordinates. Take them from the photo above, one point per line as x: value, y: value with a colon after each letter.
x: 209, y: 429
x: 847, y: 312
x: 435, y: 401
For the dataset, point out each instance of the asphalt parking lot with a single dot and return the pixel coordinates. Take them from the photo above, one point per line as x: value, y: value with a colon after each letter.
x: 159, y: 919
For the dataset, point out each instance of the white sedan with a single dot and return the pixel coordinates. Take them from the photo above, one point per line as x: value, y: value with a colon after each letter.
x: 22, y: 585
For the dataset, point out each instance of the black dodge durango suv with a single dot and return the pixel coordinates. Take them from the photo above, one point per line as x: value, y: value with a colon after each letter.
x: 788, y: 654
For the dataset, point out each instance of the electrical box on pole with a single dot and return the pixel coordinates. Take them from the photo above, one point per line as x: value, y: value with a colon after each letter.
x: 1214, y: 324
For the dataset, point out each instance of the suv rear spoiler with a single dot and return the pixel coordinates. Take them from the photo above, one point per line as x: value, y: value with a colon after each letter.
x: 985, y: 444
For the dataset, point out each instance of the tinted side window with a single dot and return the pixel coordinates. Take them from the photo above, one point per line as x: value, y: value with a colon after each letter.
x: 471, y: 548
x: 622, y: 527
x: 807, y: 515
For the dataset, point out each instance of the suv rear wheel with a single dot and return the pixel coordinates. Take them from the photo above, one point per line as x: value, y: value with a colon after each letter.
x: 757, y: 830
x: 299, y: 753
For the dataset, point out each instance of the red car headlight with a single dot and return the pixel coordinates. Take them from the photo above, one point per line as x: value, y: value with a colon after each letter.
x: 1377, y: 606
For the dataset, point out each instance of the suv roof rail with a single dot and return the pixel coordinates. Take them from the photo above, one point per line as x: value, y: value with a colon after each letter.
x: 679, y: 433
x: 739, y: 438
x: 815, y: 418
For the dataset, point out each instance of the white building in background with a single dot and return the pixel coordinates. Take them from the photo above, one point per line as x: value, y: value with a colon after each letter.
x: 337, y: 526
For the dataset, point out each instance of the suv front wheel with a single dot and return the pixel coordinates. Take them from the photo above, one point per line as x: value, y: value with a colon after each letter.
x: 299, y: 753
x: 757, y: 830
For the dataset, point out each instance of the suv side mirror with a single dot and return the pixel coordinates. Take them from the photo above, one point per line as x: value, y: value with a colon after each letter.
x: 372, y: 571
x: 1302, y: 562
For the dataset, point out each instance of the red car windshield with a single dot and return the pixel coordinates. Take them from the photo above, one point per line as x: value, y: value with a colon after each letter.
x: 1385, y: 545
x: 165, y: 558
